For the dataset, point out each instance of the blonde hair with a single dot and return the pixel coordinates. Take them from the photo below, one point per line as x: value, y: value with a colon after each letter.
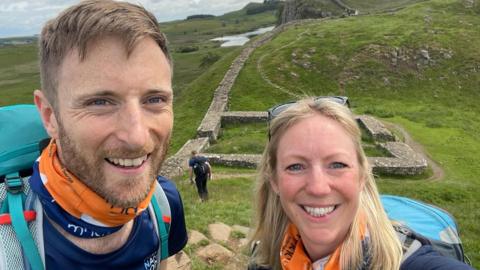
x: 81, y: 24
x: 384, y: 248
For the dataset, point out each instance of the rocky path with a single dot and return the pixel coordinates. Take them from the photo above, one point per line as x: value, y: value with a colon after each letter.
x: 222, y: 245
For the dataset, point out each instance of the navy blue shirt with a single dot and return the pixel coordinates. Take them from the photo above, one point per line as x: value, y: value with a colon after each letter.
x: 196, y: 159
x: 138, y: 253
x: 425, y: 258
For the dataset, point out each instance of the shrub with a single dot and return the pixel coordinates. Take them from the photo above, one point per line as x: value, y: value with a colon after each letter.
x: 200, y: 16
x: 187, y: 49
x: 209, y: 59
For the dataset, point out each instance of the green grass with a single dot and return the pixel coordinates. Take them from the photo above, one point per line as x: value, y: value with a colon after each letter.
x: 229, y: 202
x: 241, y: 138
x: 436, y: 103
x: 192, y: 103
x: 18, y: 74
x: 366, y: 6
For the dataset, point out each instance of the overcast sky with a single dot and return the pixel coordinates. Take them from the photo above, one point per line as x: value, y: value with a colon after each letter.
x: 22, y: 17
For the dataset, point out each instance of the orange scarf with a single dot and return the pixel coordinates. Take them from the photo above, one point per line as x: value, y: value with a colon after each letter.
x: 294, y: 257
x: 78, y: 199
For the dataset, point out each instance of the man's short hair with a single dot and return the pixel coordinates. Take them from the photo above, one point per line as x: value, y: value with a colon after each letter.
x: 81, y: 24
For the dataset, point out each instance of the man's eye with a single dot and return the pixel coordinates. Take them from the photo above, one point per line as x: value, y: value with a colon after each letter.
x: 98, y: 102
x: 153, y: 100
x: 295, y: 167
x: 338, y: 165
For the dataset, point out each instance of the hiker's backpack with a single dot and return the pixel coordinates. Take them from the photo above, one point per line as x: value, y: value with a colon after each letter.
x: 424, y: 224
x: 21, y: 215
x: 200, y: 167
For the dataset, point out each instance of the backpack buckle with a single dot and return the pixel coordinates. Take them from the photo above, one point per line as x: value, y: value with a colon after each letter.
x: 13, y: 183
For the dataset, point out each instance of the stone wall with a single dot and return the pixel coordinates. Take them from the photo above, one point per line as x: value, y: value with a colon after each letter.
x: 234, y: 160
x: 243, y: 117
x: 375, y: 128
x: 404, y: 160
x: 211, y: 123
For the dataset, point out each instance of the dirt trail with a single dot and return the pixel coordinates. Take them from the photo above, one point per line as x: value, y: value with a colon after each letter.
x: 437, y: 170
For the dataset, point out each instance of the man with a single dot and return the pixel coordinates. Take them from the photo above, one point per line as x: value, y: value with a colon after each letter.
x: 203, y: 171
x: 106, y: 102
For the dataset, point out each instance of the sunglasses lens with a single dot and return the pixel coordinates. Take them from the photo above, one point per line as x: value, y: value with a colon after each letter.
x: 339, y: 100
x: 274, y: 112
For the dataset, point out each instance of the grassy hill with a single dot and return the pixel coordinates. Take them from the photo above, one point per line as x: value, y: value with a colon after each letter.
x: 369, y: 6
x: 194, y: 80
x: 417, y: 67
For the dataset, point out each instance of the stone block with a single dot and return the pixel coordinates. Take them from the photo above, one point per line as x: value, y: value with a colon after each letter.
x: 194, y: 237
x: 179, y: 261
x: 214, y: 253
x: 219, y: 231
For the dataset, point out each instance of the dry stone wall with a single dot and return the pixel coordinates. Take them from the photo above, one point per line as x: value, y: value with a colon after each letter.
x: 404, y: 160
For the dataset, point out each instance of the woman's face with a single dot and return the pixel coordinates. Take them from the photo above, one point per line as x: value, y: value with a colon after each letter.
x: 318, y: 181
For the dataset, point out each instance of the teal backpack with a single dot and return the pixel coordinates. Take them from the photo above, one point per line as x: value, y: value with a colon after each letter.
x: 419, y: 223
x: 22, y: 137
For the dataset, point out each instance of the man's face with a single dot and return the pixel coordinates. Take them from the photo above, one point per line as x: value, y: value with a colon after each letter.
x: 115, y: 117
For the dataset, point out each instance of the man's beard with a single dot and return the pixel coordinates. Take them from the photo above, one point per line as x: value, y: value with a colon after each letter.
x: 127, y: 192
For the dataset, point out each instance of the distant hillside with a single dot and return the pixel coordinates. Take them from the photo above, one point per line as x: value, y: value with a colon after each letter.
x: 198, y: 29
x: 306, y: 9
x: 418, y: 67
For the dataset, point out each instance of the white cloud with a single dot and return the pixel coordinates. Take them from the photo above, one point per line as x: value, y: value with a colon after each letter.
x: 27, y: 17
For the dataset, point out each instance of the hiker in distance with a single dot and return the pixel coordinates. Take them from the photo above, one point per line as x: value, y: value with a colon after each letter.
x: 200, y: 166
x: 317, y: 204
x: 106, y: 102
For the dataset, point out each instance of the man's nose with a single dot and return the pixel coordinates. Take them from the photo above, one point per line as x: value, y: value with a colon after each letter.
x: 133, y: 129
x: 318, y: 183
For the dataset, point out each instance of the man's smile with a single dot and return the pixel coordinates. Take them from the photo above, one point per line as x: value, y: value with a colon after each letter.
x: 127, y: 162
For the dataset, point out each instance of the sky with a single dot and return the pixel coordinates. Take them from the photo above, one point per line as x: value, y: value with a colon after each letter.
x: 26, y: 18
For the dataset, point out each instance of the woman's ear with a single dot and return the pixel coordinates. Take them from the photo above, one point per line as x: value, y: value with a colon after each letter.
x: 46, y: 113
x: 363, y: 180
x: 274, y: 186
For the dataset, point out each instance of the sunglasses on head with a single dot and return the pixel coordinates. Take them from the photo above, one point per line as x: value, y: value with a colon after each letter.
x: 278, y: 109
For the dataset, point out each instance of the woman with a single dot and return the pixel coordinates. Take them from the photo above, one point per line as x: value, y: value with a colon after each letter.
x: 317, y: 203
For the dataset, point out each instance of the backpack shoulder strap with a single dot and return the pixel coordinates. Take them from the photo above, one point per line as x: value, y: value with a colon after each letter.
x: 409, y: 242
x: 20, y: 241
x: 159, y: 208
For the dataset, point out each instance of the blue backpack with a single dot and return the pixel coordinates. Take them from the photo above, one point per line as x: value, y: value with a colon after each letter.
x: 22, y: 138
x: 424, y: 224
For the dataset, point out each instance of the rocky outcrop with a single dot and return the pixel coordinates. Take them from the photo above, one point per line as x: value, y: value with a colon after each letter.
x: 179, y: 261
x: 219, y: 232
x: 224, y: 246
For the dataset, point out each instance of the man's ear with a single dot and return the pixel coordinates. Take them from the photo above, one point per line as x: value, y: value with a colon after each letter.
x: 46, y: 113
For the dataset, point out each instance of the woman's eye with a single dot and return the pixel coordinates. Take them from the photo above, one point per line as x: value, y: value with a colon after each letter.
x: 295, y: 167
x: 338, y: 165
